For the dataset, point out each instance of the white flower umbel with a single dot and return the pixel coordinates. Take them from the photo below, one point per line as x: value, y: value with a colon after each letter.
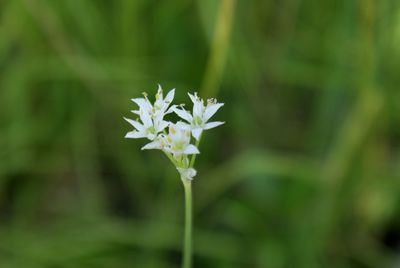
x: 201, y: 114
x: 174, y: 139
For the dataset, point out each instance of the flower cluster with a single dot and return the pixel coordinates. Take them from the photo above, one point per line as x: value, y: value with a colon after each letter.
x: 174, y: 139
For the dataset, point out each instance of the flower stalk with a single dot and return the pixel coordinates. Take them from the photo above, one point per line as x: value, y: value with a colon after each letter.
x: 188, y: 240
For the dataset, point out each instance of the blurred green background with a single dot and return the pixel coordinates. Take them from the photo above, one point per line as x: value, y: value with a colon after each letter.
x: 305, y: 172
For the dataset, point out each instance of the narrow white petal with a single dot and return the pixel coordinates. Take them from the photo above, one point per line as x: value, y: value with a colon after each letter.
x: 182, y: 126
x: 192, y: 97
x: 136, y: 112
x: 196, y: 132
x: 135, y: 124
x: 146, y: 119
x: 162, y: 126
x: 211, y: 110
x: 143, y: 103
x: 157, y: 116
x: 213, y: 124
x: 170, y: 96
x: 198, y: 109
x: 191, y: 149
x: 170, y: 109
x: 152, y: 145
x: 135, y: 135
x: 183, y: 114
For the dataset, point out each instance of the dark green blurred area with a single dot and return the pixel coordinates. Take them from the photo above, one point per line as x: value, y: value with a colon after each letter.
x: 305, y: 172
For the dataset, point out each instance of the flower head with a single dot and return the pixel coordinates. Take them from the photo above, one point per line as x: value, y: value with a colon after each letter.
x: 201, y: 113
x: 151, y: 116
x: 174, y: 139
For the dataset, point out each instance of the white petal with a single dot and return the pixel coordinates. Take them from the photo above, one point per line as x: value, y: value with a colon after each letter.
x: 135, y: 124
x: 213, y: 124
x: 192, y: 97
x: 211, y: 110
x: 170, y: 109
x: 136, y: 112
x: 162, y: 126
x: 152, y: 145
x: 182, y: 126
x: 135, y: 135
x: 198, y: 109
x: 146, y: 119
x: 191, y: 149
x: 196, y: 132
x: 151, y: 136
x: 183, y: 114
x: 170, y: 96
x: 143, y: 103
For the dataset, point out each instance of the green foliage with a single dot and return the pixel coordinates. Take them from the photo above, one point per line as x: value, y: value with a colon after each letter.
x: 305, y: 172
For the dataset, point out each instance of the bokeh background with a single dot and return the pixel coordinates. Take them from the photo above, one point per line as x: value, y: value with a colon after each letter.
x: 305, y: 172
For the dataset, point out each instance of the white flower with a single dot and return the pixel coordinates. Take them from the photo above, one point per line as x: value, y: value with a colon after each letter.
x: 187, y: 173
x: 149, y: 127
x: 177, y: 142
x: 201, y: 114
x: 161, y: 105
x: 152, y: 116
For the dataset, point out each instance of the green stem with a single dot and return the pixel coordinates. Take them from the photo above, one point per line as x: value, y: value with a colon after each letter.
x: 187, y: 242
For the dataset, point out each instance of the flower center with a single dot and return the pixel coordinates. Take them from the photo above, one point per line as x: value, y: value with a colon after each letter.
x: 197, y: 120
x: 151, y: 130
x: 178, y: 146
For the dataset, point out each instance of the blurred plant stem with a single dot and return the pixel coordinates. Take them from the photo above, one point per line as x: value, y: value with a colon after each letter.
x: 219, y: 48
x: 187, y: 242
